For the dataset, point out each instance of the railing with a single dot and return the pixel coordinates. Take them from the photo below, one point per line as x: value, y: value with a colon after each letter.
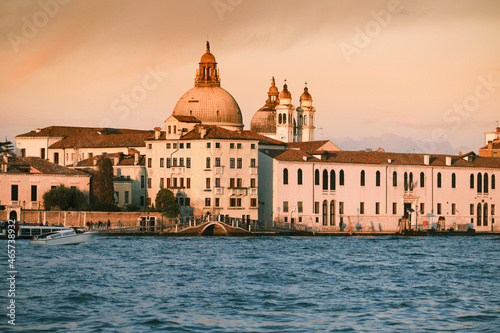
x: 253, y: 171
x: 177, y: 170
x: 219, y: 190
x: 253, y: 191
x: 238, y: 191
x: 219, y: 170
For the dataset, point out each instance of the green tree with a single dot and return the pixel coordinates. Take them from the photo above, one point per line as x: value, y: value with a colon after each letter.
x: 166, y: 203
x: 6, y: 146
x: 103, y: 189
x: 64, y: 198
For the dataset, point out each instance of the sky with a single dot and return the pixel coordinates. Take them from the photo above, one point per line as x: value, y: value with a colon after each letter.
x: 407, y: 76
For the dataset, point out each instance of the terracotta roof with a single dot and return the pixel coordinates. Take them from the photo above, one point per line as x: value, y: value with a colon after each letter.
x: 263, y: 139
x: 494, y: 145
x: 65, y: 131
x: 363, y: 157
x: 216, y: 132
x: 94, y: 140
x: 187, y: 119
x: 36, y: 165
x: 313, y: 146
x: 124, y: 160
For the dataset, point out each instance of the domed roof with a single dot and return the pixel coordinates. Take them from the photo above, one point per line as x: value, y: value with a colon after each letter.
x: 207, y: 58
x: 264, y: 121
x: 306, y: 96
x: 285, y: 93
x: 210, y: 105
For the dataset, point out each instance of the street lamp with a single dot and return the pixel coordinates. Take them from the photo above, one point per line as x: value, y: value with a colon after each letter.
x: 24, y: 214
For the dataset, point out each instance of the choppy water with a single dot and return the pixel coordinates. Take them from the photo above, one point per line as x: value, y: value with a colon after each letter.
x: 261, y: 284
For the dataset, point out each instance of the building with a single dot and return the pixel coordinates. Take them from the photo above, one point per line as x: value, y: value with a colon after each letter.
x: 374, y: 190
x: 278, y: 118
x: 24, y: 180
x: 492, y: 144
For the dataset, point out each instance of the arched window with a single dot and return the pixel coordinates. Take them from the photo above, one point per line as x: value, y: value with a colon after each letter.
x: 325, y: 212
x: 479, y: 214
x: 305, y: 120
x: 439, y: 180
x: 285, y: 176
x: 377, y: 178
x: 485, y: 187
x: 411, y: 181
x: 362, y: 180
x: 422, y: 179
x: 471, y: 180
x: 479, y: 183
x: 332, y: 180
x: 395, y: 179
x: 332, y: 212
x: 485, y: 215
x: 284, y: 118
x: 279, y: 118
x: 325, y: 180
x: 341, y: 178
x: 492, y: 182
x: 299, y: 177
x: 316, y: 177
x: 453, y: 180
x: 406, y: 181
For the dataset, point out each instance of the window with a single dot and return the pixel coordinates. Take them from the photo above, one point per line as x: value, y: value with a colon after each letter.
x: 238, y: 145
x: 161, y: 182
x: 127, y: 197
x: 217, y: 202
x: 149, y: 183
x: 394, y: 208
x: 332, y: 212
x: 341, y: 178
x: 325, y: 180
x: 181, y: 145
x: 23, y: 152
x: 188, y: 162
x: 471, y: 209
x: 422, y: 179
x: 188, y: 182
x: 56, y: 158
x: 231, y: 182
x: 235, y: 202
x: 422, y: 208
x: 362, y: 178
x: 207, y: 183
x: 453, y: 180
x: 208, y: 144
x: 253, y: 202
x: 232, y: 164
x: 325, y: 212
x: 253, y: 163
x: 217, y: 145
x: 169, y: 185
x: 377, y: 208
x: 479, y: 183
x: 150, y: 162
x: 142, y: 181
x: 207, y: 163
x: 169, y: 130
x: 377, y: 178
x: 34, y: 196
x: 471, y: 180
x: 168, y: 145
x: 485, y: 179
x: 316, y: 177
x: 492, y: 209
x: 162, y: 162
x: 253, y: 183
x: 207, y: 202
x: 492, y: 182
x: 239, y: 182
x: 42, y: 153
x: 174, y: 162
x: 300, y: 207
x: 332, y: 180
x: 217, y: 182
x: 285, y: 206
x: 169, y: 162
x: 181, y: 182
x: 285, y: 176
x: 188, y: 146
x: 239, y: 163
x: 395, y: 179
x: 479, y: 214
x: 485, y: 214
x: 231, y: 145
x: 316, y: 207
x: 453, y: 209
x: 361, y: 207
x: 405, y: 181
x: 299, y: 177
x: 217, y: 161
x: 181, y: 161
x: 439, y: 211
x: 439, y: 180
x: 174, y: 145
x: 252, y: 146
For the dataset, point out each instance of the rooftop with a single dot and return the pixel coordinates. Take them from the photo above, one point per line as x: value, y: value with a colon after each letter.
x: 36, y: 165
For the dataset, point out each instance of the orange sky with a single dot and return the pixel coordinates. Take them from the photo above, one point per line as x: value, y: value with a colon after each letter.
x: 419, y: 76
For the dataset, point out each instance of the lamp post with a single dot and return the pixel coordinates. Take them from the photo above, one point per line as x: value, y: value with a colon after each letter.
x: 24, y: 209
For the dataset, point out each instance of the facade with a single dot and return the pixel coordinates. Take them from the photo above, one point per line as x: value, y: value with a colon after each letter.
x: 372, y: 191
x: 280, y: 120
x: 24, y: 180
x: 492, y: 144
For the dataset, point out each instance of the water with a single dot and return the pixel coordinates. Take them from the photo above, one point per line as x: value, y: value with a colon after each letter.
x: 260, y: 284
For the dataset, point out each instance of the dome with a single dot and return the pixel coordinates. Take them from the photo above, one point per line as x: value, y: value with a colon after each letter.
x: 264, y: 121
x: 211, y: 105
x: 285, y: 94
x: 306, y: 96
x: 207, y: 58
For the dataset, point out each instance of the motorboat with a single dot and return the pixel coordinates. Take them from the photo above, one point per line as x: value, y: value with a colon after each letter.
x: 69, y: 236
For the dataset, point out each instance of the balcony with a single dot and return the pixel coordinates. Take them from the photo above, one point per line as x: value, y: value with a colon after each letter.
x: 219, y: 170
x: 219, y: 190
x: 253, y: 191
x: 238, y: 191
x: 177, y: 170
x: 253, y: 171
x: 35, y: 205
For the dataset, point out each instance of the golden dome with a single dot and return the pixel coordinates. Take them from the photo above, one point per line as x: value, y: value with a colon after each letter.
x: 264, y: 121
x: 306, y: 96
x: 285, y: 94
x: 207, y: 58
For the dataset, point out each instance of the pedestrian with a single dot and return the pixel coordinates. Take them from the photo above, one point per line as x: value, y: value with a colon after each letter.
x: 109, y: 224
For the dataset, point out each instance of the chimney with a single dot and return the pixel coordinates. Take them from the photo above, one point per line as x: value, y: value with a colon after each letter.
x: 203, y: 132
x: 490, y: 144
x: 448, y: 160
x: 157, y: 133
x: 95, y: 161
x: 427, y: 159
x: 38, y: 130
x: 136, y: 158
x: 116, y: 159
x: 389, y: 161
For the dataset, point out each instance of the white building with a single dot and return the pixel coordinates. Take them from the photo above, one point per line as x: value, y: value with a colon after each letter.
x: 373, y: 190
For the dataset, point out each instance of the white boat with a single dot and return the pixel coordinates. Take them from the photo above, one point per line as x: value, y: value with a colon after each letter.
x: 69, y: 236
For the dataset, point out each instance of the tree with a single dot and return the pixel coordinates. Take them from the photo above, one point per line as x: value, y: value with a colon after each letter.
x: 103, y: 189
x: 64, y: 198
x: 166, y: 203
x: 6, y: 146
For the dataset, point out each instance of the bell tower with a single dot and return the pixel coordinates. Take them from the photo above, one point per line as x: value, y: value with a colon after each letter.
x: 305, y: 117
x: 284, y: 116
x: 207, y: 74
